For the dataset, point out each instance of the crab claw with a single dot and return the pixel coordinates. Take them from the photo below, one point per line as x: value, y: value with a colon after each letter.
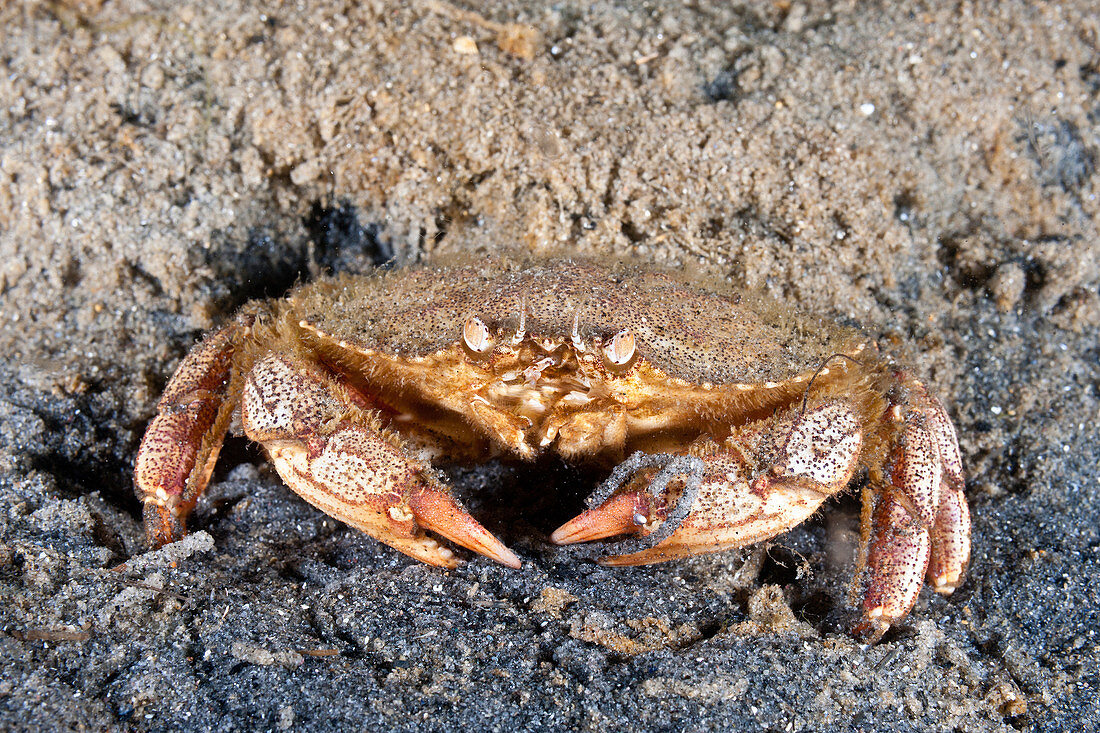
x: 722, y: 505
x: 339, y: 460
x: 616, y: 516
x: 438, y: 512
x: 337, y: 481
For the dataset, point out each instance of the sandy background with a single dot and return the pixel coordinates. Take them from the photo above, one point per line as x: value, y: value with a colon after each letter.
x: 928, y: 172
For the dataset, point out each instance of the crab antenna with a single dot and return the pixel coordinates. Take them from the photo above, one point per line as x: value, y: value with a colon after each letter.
x: 820, y: 369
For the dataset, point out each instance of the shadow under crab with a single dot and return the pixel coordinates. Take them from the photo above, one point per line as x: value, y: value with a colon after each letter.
x: 726, y: 419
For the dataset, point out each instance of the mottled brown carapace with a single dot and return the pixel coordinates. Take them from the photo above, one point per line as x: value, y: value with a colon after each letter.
x: 724, y: 418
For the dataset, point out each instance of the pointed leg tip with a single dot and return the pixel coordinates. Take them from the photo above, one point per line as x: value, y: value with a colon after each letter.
x: 945, y: 577
x: 945, y: 586
x: 868, y: 632
x: 872, y: 626
x: 162, y: 526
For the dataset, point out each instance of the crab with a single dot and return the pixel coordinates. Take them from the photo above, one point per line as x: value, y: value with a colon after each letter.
x: 727, y: 418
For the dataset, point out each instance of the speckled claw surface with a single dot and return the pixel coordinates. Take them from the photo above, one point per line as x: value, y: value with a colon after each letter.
x: 728, y: 419
x: 754, y: 486
x: 332, y: 453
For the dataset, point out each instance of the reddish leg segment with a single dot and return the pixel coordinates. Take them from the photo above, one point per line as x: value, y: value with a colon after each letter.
x: 921, y: 523
x: 951, y: 529
x: 181, y: 444
x: 900, y: 542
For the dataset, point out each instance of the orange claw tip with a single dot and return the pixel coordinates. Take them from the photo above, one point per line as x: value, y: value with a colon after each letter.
x: 436, y: 511
x: 614, y: 517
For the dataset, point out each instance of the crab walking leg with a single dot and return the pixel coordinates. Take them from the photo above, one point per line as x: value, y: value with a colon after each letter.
x: 951, y: 529
x: 816, y: 455
x: 336, y: 457
x: 901, y: 541
x: 898, y: 559
x: 950, y: 542
x: 181, y: 444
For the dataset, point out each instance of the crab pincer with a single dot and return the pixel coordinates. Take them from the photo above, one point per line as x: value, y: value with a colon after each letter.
x: 340, y: 459
x: 328, y: 450
x: 756, y: 485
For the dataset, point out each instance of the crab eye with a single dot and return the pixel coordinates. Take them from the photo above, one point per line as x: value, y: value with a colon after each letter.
x: 620, y: 351
x: 475, y: 334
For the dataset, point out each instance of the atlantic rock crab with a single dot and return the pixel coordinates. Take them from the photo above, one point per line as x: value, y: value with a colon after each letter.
x: 728, y: 418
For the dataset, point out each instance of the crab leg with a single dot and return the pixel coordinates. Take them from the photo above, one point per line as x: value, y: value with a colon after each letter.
x: 922, y: 523
x: 815, y: 455
x: 951, y: 529
x: 901, y: 543
x: 950, y: 542
x: 338, y: 458
x: 181, y: 445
